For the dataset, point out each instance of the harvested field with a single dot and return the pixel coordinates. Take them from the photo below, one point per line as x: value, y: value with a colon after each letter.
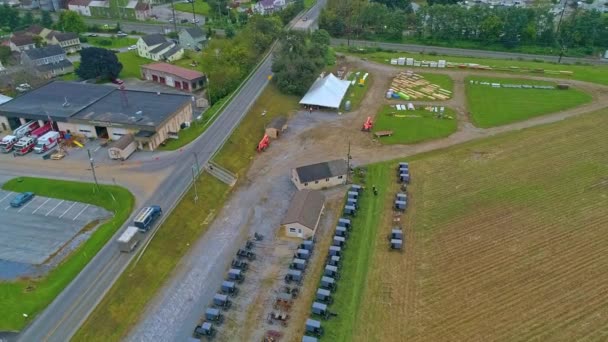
x: 505, y: 241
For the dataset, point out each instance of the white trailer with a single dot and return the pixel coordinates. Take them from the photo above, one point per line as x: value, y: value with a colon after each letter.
x: 122, y: 148
x: 129, y: 239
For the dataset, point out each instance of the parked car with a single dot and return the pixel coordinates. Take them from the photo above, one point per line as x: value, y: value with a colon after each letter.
x: 121, y: 34
x: 92, y: 34
x: 196, y: 21
x: 132, y: 47
x: 21, y: 199
x: 184, y: 21
x: 118, y: 81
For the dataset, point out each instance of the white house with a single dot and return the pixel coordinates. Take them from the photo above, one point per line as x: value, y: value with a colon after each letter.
x: 265, y: 7
x: 304, y: 214
x: 157, y: 48
x: 321, y: 175
x: 80, y: 6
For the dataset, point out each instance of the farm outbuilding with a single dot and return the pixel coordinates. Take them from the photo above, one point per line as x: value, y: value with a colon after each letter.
x: 304, y: 214
x: 321, y: 175
x: 173, y: 76
x: 122, y: 148
x: 276, y: 127
x: 326, y: 92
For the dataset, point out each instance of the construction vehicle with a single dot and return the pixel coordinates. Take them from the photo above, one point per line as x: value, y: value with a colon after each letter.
x: 258, y: 237
x: 7, y: 143
x: 24, y: 146
x: 264, y: 143
x: 205, y: 329
x: 242, y: 253
x: 368, y: 125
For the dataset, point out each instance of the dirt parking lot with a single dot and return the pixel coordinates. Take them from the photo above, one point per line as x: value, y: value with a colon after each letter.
x: 34, y: 232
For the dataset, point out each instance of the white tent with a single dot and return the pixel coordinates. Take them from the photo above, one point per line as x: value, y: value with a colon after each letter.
x: 326, y: 92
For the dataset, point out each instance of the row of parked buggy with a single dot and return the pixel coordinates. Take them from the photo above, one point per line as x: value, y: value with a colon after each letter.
x: 331, y: 273
x: 396, y: 237
x: 221, y: 300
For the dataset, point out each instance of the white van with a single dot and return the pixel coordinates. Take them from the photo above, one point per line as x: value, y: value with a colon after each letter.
x: 47, y: 142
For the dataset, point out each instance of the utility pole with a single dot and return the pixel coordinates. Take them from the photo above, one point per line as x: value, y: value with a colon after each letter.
x: 348, y: 158
x: 174, y: 20
x: 194, y: 183
x: 93, y: 168
x: 559, y: 26
x: 193, y: 14
x: 198, y: 166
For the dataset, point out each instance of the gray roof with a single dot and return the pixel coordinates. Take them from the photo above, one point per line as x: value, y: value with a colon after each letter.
x: 63, y: 36
x: 135, y: 108
x: 161, y: 47
x: 305, y: 208
x: 172, y: 51
x: 65, y: 63
x: 195, y: 32
x: 322, y: 170
x: 123, y: 142
x: 277, y: 123
x: 50, y: 99
x: 43, y: 52
x: 154, y: 39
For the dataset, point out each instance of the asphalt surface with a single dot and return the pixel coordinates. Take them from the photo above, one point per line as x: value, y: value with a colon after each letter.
x: 464, y: 52
x: 36, y: 230
x: 128, y: 26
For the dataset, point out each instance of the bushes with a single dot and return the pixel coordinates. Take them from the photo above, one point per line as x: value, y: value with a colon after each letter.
x: 104, y: 42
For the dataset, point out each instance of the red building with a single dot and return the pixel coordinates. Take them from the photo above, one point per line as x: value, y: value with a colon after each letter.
x: 173, y: 76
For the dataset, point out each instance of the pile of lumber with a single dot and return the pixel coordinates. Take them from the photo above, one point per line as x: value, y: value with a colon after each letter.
x: 417, y: 88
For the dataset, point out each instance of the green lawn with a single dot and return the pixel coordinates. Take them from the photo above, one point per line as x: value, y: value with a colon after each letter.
x: 72, y: 76
x: 121, y: 308
x: 423, y: 125
x: 356, y: 93
x: 116, y: 42
x: 444, y: 81
x: 498, y: 106
x: 200, y: 7
x: 15, y: 299
x: 130, y: 64
x: 309, y: 3
x: 589, y: 73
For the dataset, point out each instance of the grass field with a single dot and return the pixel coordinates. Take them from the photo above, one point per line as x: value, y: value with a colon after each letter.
x: 589, y: 73
x: 200, y: 7
x: 130, y: 64
x: 423, y: 125
x: 505, y: 241
x: 40, y: 292
x: 498, y: 106
x: 122, y: 306
x: 356, y: 93
x: 117, y: 42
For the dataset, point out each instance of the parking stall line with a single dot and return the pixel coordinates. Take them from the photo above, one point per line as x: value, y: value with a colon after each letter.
x: 3, y: 198
x: 83, y: 209
x: 68, y: 209
x: 7, y: 207
x: 48, y: 199
x: 26, y: 204
x: 58, y: 204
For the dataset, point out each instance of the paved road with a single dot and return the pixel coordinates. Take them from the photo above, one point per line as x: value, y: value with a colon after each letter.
x: 465, y: 52
x: 128, y: 26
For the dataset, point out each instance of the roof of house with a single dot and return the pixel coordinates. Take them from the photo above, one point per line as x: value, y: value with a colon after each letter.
x: 21, y: 40
x: 322, y: 170
x: 35, y: 29
x: 64, y: 63
x: 195, y: 32
x: 174, y: 70
x: 162, y: 47
x: 80, y: 2
x: 175, y: 49
x: 142, y: 6
x: 326, y: 92
x: 63, y: 36
x: 123, y: 142
x: 305, y: 208
x: 154, y: 39
x: 99, y: 3
x: 277, y: 123
x: 43, y: 52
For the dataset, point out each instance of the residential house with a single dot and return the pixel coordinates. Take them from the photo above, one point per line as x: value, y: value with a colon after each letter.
x: 304, y: 214
x: 265, y: 7
x: 143, y: 10
x: 69, y: 41
x: 115, y: 9
x: 21, y: 42
x: 156, y: 47
x: 47, y: 62
x: 81, y: 7
x: 25, y: 4
x: 321, y: 175
x: 173, y: 76
x: 192, y: 38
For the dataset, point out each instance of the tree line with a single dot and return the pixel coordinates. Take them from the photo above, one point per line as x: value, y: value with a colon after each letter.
x: 12, y: 20
x: 510, y: 27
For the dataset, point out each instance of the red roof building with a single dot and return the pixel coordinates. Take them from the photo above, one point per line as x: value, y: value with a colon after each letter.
x: 173, y: 76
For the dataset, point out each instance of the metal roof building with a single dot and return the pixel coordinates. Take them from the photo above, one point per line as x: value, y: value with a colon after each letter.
x: 321, y: 175
x: 326, y: 92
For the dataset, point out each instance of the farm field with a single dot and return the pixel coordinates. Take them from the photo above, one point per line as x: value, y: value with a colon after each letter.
x: 589, y: 73
x: 505, y: 241
x: 413, y: 126
x: 498, y: 106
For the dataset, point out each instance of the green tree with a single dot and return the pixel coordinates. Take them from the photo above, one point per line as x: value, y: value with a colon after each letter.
x: 27, y: 19
x: 98, y: 63
x: 70, y: 21
x: 5, y: 54
x: 230, y: 32
x: 39, y: 41
x: 46, y: 20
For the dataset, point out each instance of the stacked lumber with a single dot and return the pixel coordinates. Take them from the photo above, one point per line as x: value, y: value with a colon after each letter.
x: 417, y: 88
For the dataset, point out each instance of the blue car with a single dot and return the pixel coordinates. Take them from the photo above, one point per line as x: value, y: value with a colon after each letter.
x: 21, y: 199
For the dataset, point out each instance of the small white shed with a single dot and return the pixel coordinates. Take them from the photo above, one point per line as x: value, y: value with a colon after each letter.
x: 122, y: 148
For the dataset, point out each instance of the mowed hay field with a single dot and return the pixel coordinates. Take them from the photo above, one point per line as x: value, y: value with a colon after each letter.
x: 506, y: 240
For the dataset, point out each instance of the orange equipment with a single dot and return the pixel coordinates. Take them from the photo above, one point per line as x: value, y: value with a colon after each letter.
x: 367, y: 126
x: 264, y: 143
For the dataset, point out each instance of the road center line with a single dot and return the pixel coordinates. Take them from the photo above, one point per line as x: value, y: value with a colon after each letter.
x: 86, y: 206
x: 58, y: 204
x: 48, y: 199
x: 68, y: 209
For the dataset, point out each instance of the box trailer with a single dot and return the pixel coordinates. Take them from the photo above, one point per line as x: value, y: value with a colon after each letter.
x: 47, y: 142
x: 122, y: 148
x: 129, y: 240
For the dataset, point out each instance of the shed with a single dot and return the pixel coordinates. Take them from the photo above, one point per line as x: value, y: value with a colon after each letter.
x: 334, y: 260
x: 122, y: 148
x: 304, y: 213
x: 276, y: 127
x: 339, y: 241
x: 335, y: 250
